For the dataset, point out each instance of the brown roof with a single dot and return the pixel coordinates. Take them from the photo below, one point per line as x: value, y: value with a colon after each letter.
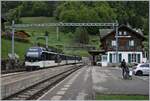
x: 22, y: 34
x: 106, y: 32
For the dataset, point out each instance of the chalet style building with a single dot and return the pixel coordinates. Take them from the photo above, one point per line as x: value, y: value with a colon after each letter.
x: 130, y: 45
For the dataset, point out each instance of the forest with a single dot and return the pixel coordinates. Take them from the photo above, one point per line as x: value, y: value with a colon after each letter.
x: 134, y: 13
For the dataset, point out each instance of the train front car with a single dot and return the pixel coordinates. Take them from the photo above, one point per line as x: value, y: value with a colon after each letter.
x: 33, y: 58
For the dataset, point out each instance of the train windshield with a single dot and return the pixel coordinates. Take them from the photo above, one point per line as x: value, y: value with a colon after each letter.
x: 33, y: 52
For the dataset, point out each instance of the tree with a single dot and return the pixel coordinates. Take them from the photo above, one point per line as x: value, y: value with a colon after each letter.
x: 13, y: 14
x: 81, y: 35
x: 84, y: 12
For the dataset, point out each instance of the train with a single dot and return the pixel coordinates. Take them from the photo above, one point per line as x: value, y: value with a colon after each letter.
x: 40, y: 57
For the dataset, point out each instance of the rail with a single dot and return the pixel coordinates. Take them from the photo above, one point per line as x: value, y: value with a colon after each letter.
x: 36, y: 90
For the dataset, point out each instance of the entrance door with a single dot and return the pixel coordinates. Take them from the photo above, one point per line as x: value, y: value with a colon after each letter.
x: 104, y: 60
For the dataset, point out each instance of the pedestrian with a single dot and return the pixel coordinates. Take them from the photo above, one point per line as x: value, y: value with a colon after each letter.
x: 125, y: 69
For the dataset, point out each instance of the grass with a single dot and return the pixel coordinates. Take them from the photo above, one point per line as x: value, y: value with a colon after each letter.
x: 65, y: 39
x: 20, y: 48
x: 37, y: 20
x: 77, y: 52
x: 122, y: 97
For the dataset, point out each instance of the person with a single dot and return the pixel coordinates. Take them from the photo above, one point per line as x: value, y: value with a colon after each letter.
x: 124, y: 67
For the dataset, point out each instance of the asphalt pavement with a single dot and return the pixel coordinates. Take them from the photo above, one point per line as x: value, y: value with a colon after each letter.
x: 108, y: 80
x: 86, y: 82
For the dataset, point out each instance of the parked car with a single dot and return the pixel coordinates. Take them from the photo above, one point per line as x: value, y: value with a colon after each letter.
x: 141, y: 69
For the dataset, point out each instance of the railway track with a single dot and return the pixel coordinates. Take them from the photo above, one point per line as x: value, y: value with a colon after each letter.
x: 24, y: 71
x: 35, y: 91
x: 9, y: 72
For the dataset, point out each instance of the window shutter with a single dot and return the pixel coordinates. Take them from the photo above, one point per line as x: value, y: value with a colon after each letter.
x: 139, y: 56
x: 129, y: 58
x: 110, y: 58
x: 120, y: 57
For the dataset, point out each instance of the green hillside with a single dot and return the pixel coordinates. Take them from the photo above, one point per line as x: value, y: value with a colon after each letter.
x: 65, y: 39
x: 20, y: 48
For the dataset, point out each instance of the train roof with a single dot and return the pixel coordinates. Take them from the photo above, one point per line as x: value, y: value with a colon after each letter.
x: 50, y: 52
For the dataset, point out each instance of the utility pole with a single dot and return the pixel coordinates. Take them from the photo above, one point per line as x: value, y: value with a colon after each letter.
x: 12, y: 45
x: 57, y: 31
x: 117, y: 43
x: 46, y: 39
x: 149, y: 32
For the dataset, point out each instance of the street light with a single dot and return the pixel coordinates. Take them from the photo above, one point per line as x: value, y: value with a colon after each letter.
x: 116, y: 43
x: 12, y: 45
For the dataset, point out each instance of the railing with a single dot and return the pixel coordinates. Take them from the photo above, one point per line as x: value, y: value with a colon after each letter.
x: 123, y: 48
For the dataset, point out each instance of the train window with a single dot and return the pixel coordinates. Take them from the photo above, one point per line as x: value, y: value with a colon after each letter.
x: 57, y: 58
x: 43, y: 56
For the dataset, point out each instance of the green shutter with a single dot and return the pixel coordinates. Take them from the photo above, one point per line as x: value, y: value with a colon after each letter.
x: 129, y: 58
x: 139, y: 56
x: 110, y: 58
x: 120, y: 57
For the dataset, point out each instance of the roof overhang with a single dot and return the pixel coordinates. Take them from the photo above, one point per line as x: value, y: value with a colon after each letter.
x: 96, y: 52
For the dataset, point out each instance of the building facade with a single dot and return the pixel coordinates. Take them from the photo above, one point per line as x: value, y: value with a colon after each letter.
x: 130, y: 45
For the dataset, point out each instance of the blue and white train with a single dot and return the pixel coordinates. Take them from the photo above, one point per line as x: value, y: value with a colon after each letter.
x: 39, y: 57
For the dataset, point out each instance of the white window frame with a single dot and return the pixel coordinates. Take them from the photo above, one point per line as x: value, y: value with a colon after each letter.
x: 120, y: 32
x: 124, y: 33
x: 133, y: 57
x: 131, y: 42
x: 113, y: 42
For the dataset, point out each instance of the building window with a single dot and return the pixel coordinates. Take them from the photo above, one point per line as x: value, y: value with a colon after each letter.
x: 134, y: 58
x: 131, y: 43
x: 120, y: 33
x: 113, y: 43
x: 139, y: 57
x: 125, y: 33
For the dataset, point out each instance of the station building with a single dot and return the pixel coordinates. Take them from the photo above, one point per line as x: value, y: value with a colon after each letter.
x: 130, y: 45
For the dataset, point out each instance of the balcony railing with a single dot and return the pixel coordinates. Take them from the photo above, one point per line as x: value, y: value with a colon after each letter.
x: 125, y: 48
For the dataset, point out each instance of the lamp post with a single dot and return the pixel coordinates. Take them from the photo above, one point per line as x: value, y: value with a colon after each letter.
x: 149, y: 33
x: 46, y: 39
x: 12, y: 45
x: 116, y: 43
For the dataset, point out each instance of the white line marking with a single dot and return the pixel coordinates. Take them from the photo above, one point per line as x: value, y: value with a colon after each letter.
x: 69, y: 83
x: 61, y: 92
x: 56, y: 97
x: 86, y: 75
x: 64, y: 88
x: 57, y: 85
x: 66, y: 85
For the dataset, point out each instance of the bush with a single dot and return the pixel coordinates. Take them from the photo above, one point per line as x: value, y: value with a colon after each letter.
x: 25, y: 40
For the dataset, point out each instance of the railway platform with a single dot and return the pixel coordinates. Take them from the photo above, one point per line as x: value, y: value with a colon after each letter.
x: 78, y: 86
x: 85, y: 83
